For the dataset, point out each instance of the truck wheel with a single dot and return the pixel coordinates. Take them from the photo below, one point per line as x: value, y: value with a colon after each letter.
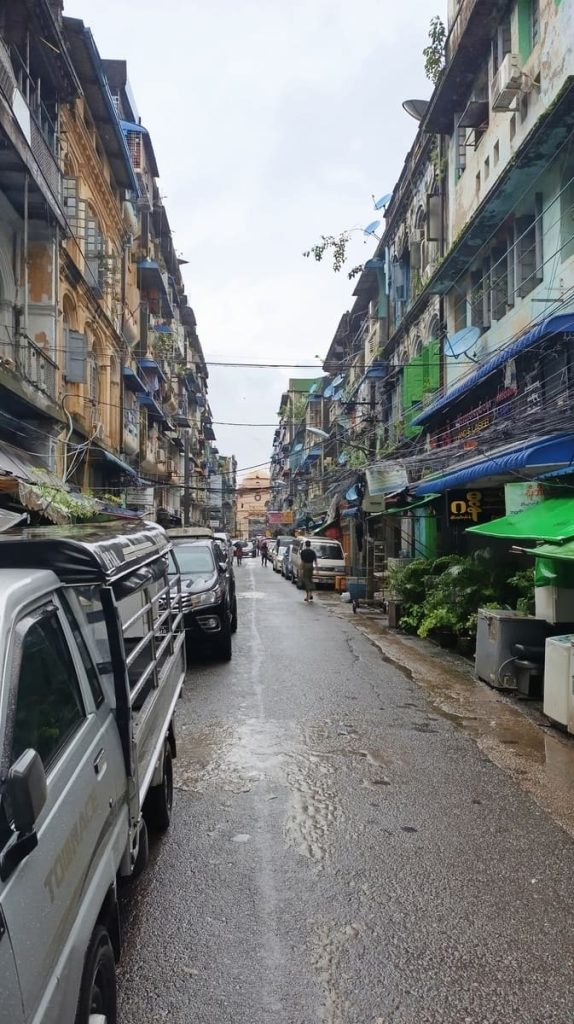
x: 159, y: 801
x: 98, y: 997
x: 234, y: 614
x: 143, y: 852
x: 224, y: 648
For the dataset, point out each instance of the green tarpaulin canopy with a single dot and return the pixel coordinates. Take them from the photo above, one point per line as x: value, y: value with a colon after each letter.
x: 405, y: 509
x: 563, y: 552
x: 551, y: 520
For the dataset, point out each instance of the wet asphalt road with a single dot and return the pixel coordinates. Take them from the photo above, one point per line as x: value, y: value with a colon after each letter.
x: 340, y: 853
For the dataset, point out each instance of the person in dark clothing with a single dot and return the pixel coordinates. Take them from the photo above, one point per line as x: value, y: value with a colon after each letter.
x: 264, y: 552
x: 308, y: 560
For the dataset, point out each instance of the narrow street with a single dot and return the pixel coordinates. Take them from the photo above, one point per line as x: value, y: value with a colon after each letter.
x: 341, y: 852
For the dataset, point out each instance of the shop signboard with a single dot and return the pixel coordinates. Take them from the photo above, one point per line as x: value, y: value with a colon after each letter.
x: 518, y: 496
x: 380, y: 482
x: 475, y: 506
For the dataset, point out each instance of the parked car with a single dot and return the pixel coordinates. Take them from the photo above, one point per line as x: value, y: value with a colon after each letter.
x: 286, y: 563
x: 277, y: 557
x: 209, y: 601
x: 330, y: 560
x: 295, y: 545
x: 225, y: 541
x: 248, y: 549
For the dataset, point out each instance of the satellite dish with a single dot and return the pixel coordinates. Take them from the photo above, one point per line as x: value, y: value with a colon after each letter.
x: 383, y: 201
x: 461, y: 342
x: 371, y: 228
x: 416, y: 108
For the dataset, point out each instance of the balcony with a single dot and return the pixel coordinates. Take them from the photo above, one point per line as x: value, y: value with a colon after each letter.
x: 467, y: 47
x: 34, y: 121
x: 31, y: 363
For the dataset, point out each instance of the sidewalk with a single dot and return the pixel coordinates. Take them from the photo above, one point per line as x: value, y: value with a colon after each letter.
x: 513, y: 734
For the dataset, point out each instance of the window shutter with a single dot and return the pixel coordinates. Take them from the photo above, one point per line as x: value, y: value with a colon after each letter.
x: 75, y: 361
x: 538, y: 236
x: 498, y: 283
x: 433, y: 223
x: 525, y: 254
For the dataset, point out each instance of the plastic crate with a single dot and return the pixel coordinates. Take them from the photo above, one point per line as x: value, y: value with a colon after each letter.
x: 357, y: 587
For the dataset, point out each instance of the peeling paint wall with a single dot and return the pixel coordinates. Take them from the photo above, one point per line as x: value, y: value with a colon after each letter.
x: 549, y: 62
x: 557, y: 284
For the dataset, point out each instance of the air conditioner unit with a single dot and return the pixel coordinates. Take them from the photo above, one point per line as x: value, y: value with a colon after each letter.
x: 507, y: 83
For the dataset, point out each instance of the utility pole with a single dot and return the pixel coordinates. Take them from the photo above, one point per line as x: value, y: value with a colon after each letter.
x: 186, y: 492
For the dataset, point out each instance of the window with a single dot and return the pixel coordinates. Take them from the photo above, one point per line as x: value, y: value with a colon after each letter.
x: 534, y: 22
x: 501, y: 43
x: 528, y: 252
x: 49, y: 706
x: 460, y: 155
x: 528, y: 12
x: 91, y: 673
x: 496, y: 153
x: 498, y: 283
x: 134, y: 141
x: 70, y: 196
x: 567, y: 215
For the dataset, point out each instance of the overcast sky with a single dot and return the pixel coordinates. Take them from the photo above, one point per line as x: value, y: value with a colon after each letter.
x: 272, y: 123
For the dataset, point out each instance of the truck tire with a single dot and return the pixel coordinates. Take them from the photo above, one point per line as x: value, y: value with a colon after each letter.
x: 143, y: 852
x: 224, y: 648
x: 159, y: 801
x: 98, y: 993
x: 234, y: 614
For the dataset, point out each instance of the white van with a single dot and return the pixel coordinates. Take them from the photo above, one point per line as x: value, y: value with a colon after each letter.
x: 330, y: 560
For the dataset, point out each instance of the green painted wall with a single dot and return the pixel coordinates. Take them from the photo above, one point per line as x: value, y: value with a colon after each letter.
x: 523, y: 13
x: 425, y: 534
x: 421, y: 376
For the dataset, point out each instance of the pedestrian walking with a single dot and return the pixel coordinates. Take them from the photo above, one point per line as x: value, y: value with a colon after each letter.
x: 264, y: 552
x: 308, y: 559
x: 238, y: 553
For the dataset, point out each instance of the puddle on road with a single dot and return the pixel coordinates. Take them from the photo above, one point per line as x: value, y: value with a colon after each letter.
x: 233, y: 757
x: 539, y: 759
x: 237, y: 758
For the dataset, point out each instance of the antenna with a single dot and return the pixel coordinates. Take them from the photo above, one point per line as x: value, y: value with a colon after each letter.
x: 461, y: 342
x: 416, y: 108
x: 371, y: 228
x: 384, y: 201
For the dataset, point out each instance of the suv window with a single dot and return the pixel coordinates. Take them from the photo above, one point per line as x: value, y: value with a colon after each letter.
x: 49, y: 706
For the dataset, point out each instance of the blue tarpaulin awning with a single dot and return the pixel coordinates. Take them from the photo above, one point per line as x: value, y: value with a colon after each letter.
x: 546, y: 329
x: 114, y: 461
x: 132, y: 382
x: 529, y: 461
x: 150, y: 276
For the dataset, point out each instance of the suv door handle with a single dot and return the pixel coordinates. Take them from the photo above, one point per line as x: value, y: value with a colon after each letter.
x: 100, y: 763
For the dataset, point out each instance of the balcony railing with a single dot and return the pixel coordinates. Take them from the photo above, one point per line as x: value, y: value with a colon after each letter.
x: 458, y: 27
x: 43, y: 133
x: 32, y: 363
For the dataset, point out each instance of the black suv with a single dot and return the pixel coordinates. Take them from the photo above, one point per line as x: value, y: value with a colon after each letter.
x: 208, y: 594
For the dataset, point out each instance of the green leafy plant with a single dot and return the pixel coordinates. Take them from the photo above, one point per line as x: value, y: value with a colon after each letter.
x: 336, y: 246
x: 434, y: 52
x: 523, y: 584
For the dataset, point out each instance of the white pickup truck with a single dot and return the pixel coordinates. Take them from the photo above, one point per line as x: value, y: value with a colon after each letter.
x: 92, y: 662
